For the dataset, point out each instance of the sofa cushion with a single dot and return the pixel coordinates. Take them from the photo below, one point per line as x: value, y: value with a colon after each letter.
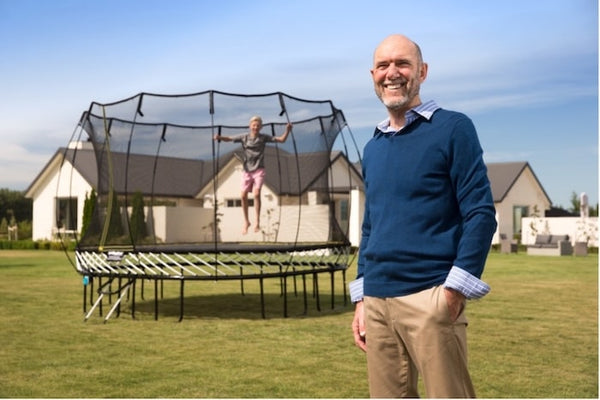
x: 554, y: 239
x: 542, y: 239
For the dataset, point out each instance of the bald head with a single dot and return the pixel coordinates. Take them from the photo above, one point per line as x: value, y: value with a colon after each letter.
x: 398, y: 41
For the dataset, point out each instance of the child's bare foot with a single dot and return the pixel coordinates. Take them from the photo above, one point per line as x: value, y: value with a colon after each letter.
x: 245, y: 228
x: 257, y: 228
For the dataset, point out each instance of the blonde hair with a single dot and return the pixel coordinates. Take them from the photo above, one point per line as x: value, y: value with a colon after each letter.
x: 256, y: 118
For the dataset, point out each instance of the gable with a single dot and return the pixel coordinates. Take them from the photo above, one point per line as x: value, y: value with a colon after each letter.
x: 286, y: 173
x: 503, y: 177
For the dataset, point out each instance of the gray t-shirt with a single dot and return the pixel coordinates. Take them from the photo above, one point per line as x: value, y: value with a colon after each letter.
x: 254, y: 150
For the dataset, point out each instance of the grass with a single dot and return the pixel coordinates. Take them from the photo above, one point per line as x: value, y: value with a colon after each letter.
x: 534, y: 336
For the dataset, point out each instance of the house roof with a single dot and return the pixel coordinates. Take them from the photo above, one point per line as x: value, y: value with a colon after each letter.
x: 286, y: 174
x: 503, y: 176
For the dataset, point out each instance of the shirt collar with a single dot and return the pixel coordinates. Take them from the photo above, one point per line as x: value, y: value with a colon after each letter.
x: 424, y: 110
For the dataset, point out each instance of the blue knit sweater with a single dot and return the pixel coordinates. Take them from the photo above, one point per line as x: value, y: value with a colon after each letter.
x: 428, y: 206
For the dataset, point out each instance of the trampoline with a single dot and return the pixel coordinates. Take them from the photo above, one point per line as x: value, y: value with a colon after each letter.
x: 166, y: 199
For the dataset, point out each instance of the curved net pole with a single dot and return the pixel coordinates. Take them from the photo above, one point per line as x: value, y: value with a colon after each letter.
x: 280, y: 177
x: 333, y: 219
x: 351, y: 136
x: 163, y: 138
x: 215, y: 171
x: 287, y: 117
x: 62, y: 163
x: 126, y: 188
x: 109, y: 200
x: 341, y: 130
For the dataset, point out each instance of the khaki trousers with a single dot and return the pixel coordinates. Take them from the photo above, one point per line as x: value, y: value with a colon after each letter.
x: 412, y: 335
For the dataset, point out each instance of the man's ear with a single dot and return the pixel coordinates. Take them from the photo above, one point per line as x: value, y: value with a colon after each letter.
x: 423, y: 72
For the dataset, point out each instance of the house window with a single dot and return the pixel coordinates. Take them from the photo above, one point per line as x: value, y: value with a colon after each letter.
x: 344, y: 210
x: 238, y: 203
x: 66, y: 213
x: 518, y: 213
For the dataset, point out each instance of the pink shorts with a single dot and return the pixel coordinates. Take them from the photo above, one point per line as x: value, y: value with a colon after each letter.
x: 253, y: 179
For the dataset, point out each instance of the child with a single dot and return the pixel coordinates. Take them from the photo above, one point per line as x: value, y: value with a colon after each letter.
x: 253, y: 144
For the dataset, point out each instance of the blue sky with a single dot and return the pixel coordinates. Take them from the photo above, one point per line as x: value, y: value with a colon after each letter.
x: 525, y: 71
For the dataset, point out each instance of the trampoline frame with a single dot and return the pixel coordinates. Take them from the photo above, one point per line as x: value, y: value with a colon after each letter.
x: 203, y: 263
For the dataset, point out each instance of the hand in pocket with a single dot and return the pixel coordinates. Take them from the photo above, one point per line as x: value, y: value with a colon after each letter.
x: 456, y: 303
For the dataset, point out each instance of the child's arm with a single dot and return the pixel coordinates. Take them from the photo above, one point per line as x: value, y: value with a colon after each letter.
x: 283, y: 138
x: 222, y: 138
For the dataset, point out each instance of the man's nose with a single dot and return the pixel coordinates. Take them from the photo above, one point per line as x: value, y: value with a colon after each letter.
x: 393, y: 72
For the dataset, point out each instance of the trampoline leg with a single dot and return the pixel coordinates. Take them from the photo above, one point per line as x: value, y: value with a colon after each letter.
x: 304, y: 294
x: 99, y: 289
x: 120, y: 297
x: 295, y: 286
x: 133, y: 299
x: 316, y: 286
x: 156, y: 300
x: 181, y: 301
x: 142, y: 290
x: 91, y: 290
x: 332, y: 290
x: 262, y: 299
x: 285, y: 311
x: 242, y: 281
x: 344, y: 286
x: 84, y: 298
x: 280, y: 281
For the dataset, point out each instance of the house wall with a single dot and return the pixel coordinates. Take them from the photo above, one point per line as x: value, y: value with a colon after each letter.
x: 525, y: 192
x: 280, y: 224
x: 181, y: 224
x: 343, y: 176
x: 69, y: 183
x: 577, y: 228
x: 357, y: 210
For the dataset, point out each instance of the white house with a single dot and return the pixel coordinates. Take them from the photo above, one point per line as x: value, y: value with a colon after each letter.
x: 298, y: 197
x: 293, y: 209
x: 517, y: 193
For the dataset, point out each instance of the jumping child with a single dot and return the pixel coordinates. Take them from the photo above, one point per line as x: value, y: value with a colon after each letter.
x: 253, y: 144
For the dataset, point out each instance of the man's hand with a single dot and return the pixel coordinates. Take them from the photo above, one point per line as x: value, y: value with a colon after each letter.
x: 358, y: 327
x: 456, y: 302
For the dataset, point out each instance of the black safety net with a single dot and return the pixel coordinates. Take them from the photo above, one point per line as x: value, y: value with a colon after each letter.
x: 161, y: 180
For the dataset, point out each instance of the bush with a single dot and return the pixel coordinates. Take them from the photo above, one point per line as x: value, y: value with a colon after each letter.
x: 29, y: 244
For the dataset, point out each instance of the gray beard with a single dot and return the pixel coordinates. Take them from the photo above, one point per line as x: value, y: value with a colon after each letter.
x: 395, y: 104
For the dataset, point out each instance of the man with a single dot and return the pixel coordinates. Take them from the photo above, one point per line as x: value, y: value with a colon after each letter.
x: 428, y: 223
x: 253, y: 144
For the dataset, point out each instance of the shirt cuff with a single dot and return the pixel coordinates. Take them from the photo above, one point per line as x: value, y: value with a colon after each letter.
x: 469, y: 285
x: 356, y: 290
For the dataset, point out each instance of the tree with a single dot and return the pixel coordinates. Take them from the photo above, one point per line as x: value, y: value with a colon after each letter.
x: 14, y: 203
x: 137, y: 224
x: 576, y: 206
x: 115, y: 226
x: 88, y: 211
x: 575, y: 203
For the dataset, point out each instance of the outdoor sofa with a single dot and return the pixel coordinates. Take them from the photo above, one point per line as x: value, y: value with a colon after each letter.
x: 551, y: 245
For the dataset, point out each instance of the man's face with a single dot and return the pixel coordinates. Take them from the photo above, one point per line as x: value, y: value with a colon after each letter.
x: 397, y: 74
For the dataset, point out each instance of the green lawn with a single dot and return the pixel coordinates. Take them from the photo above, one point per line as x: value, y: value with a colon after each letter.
x: 534, y: 336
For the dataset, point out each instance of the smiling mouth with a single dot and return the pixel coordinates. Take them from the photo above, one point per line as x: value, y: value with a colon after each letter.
x: 394, y: 86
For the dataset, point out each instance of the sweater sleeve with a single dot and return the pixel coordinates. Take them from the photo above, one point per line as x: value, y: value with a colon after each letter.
x: 473, y: 193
